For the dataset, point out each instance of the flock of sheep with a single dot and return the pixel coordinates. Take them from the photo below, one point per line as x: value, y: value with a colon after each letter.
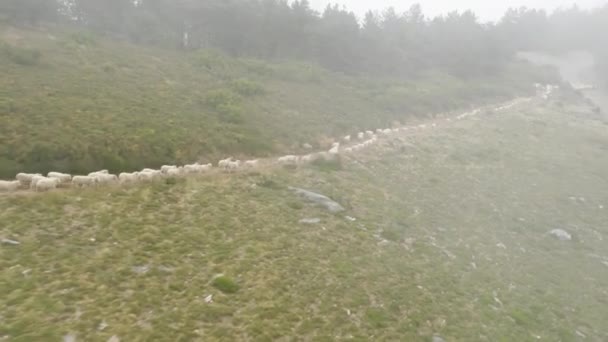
x: 361, y: 140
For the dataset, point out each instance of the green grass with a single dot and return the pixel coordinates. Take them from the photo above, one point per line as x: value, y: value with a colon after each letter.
x: 446, y: 199
x: 72, y: 101
x: 225, y: 284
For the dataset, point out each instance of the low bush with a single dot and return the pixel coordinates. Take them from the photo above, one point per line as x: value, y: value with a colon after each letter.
x: 225, y: 284
x: 19, y: 55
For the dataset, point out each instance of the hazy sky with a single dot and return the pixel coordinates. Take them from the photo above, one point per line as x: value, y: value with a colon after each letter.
x: 486, y: 10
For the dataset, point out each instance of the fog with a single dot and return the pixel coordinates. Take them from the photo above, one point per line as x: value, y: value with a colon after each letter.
x: 485, y: 10
x: 264, y: 170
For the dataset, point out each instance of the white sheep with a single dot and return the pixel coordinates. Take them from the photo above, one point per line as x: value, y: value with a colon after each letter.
x: 252, y: 163
x: 205, y: 168
x: 26, y: 178
x: 233, y: 165
x: 191, y: 168
x: 126, y: 177
x: 84, y: 181
x: 334, y: 150
x: 106, y: 178
x: 347, y: 138
x: 47, y: 184
x: 224, y: 162
x: 9, y: 185
x: 360, y: 135
x: 369, y: 133
x: 100, y: 172
x: 166, y: 168
x: 309, y: 158
x: 336, y: 144
x: 387, y: 131
x: 288, y: 160
x: 63, y: 177
x: 149, y: 175
x: 348, y: 150
x: 378, y: 130
x: 149, y: 170
x: 307, y: 146
x: 35, y: 180
x: 175, y: 172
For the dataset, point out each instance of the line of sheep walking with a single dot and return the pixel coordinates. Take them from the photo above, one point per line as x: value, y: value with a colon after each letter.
x: 53, y: 180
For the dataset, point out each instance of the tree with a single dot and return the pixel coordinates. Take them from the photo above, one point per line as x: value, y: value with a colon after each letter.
x: 29, y: 12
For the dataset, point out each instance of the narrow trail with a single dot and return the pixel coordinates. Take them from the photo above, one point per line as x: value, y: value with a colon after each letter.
x: 440, y: 121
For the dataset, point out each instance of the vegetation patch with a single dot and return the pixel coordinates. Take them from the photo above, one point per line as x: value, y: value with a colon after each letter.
x: 225, y: 284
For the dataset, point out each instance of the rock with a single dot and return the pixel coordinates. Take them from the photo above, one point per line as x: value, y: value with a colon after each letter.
x: 102, y: 326
x: 141, y: 269
x: 437, y: 338
x: 10, y: 242
x: 350, y: 218
x: 319, y: 199
x: 209, y: 299
x: 69, y: 338
x: 310, y: 221
x: 561, y: 234
x: 114, y: 338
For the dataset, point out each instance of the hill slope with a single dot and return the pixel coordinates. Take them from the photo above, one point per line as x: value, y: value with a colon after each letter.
x: 450, y: 238
x: 72, y: 101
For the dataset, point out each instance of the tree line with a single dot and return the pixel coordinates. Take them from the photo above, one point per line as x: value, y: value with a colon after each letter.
x: 386, y: 43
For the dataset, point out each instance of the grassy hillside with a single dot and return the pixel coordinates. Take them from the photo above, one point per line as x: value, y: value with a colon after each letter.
x: 450, y: 239
x: 72, y: 101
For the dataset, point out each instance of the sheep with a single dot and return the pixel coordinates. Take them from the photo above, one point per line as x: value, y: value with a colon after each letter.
x: 26, y: 178
x: 369, y: 133
x: 126, y: 177
x: 84, y: 181
x: 288, y: 160
x: 190, y: 168
x: 149, y: 170
x: 387, y: 131
x: 47, y: 184
x: 175, y: 172
x: 334, y: 150
x: 166, y: 168
x: 149, y: 175
x: 378, y: 130
x: 336, y: 144
x: 63, y: 177
x: 35, y: 180
x: 205, y: 168
x: 252, y: 163
x: 307, y: 158
x: 224, y: 162
x: 233, y: 165
x: 197, y: 168
x: 307, y: 146
x: 348, y: 150
x: 106, y: 178
x: 100, y: 172
x: 347, y: 138
x: 9, y: 186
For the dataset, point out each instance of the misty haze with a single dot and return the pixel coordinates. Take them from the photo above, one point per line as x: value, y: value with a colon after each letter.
x: 273, y: 170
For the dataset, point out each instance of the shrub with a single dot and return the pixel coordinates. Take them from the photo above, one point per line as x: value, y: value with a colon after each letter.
x: 246, y: 87
x: 21, y: 56
x: 328, y: 165
x: 84, y: 38
x: 226, y: 103
x: 225, y: 284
